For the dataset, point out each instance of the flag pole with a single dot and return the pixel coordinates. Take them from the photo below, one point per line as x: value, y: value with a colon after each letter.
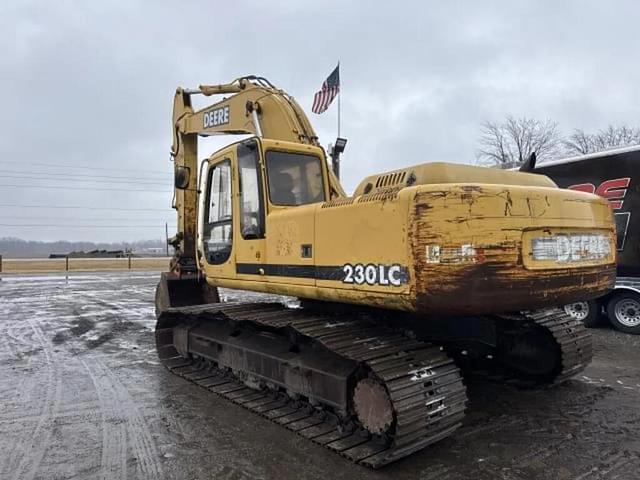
x: 339, y: 95
x: 338, y: 113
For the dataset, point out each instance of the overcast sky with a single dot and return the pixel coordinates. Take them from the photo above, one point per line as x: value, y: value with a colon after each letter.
x: 90, y: 85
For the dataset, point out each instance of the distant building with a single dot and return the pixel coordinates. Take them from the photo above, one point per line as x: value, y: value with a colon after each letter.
x: 153, y: 250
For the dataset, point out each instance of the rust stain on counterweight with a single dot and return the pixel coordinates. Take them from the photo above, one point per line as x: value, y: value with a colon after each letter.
x: 495, y: 279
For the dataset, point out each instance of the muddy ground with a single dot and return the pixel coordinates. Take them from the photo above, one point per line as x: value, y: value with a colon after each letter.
x: 83, y: 396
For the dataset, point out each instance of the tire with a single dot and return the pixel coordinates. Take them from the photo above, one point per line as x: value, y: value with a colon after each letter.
x: 623, y: 311
x: 588, y: 312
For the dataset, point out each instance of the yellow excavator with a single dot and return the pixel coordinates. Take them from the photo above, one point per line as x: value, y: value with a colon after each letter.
x: 423, y: 273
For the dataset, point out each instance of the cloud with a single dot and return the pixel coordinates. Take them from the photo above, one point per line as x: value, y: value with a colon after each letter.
x: 91, y: 83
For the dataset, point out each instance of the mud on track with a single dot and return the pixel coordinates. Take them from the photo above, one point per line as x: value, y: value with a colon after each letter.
x: 83, y: 396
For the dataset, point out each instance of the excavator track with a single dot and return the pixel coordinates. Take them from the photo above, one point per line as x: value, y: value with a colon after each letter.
x: 403, y: 394
x: 557, y: 339
x: 574, y: 342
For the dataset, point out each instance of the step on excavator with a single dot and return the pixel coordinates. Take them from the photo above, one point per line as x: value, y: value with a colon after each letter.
x: 421, y: 274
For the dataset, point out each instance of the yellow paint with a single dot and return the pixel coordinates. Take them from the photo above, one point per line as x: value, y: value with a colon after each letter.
x: 475, y: 222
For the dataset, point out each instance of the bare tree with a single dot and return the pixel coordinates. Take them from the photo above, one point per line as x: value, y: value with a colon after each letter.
x: 510, y: 143
x: 581, y: 143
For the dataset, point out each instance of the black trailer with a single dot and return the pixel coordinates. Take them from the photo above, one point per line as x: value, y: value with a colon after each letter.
x: 615, y: 175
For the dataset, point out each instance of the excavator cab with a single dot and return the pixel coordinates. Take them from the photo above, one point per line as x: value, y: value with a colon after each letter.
x: 243, y: 188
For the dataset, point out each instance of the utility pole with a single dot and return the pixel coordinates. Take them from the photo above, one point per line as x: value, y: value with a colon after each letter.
x: 166, y: 236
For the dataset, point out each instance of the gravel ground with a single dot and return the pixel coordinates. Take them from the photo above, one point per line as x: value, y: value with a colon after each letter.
x: 83, y: 396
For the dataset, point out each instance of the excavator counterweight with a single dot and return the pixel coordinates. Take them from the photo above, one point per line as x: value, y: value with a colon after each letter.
x: 424, y: 273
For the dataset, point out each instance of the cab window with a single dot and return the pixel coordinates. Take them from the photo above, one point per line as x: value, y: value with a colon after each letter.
x: 294, y: 178
x: 251, y: 203
x: 217, y: 229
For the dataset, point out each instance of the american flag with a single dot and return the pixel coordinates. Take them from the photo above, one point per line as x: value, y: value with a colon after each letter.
x: 330, y: 88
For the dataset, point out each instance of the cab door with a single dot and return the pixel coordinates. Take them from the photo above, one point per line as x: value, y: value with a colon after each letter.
x: 217, y: 243
x: 251, y: 243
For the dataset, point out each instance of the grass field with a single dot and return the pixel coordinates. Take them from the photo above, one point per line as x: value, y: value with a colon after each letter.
x: 46, y: 265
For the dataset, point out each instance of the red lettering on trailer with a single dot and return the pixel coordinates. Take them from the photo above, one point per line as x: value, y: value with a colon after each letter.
x: 584, y: 187
x: 613, y: 190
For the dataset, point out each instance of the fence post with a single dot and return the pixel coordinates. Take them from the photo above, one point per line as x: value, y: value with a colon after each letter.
x: 66, y: 263
x: 129, y: 255
x: 0, y: 263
